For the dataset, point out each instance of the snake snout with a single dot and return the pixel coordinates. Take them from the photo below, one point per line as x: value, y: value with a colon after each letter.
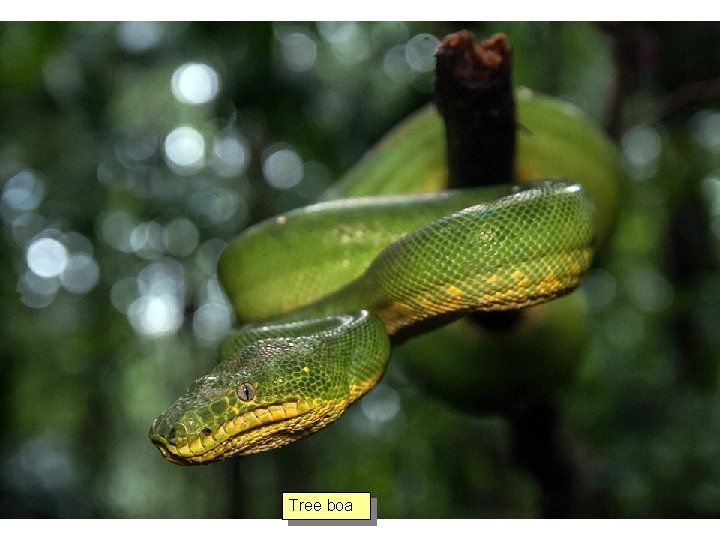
x: 167, y: 428
x: 168, y: 436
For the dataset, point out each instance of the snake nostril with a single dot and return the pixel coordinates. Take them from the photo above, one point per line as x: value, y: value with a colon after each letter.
x: 206, y: 431
x: 171, y: 434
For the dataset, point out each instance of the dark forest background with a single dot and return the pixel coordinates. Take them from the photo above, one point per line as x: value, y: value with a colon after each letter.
x: 131, y: 153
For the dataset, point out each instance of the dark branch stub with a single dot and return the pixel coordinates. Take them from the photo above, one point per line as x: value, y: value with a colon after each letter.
x: 473, y: 92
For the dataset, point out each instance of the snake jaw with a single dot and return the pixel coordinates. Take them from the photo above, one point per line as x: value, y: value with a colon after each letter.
x: 165, y: 450
x: 253, y: 431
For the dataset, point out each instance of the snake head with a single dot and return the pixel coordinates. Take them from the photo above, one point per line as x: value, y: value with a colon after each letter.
x: 267, y: 394
x: 252, y: 401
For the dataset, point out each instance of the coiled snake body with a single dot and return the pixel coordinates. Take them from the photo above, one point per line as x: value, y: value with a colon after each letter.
x: 367, y: 272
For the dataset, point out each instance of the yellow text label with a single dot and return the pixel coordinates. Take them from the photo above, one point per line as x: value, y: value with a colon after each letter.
x: 326, y: 506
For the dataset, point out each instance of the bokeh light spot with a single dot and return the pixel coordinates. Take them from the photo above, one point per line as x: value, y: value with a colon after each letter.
x: 139, y: 36
x: 181, y: 237
x: 298, y: 51
x: 641, y: 147
x: 81, y: 274
x: 600, y: 288
x: 147, y: 241
x: 156, y: 315
x: 159, y: 309
x: 382, y: 404
x: 116, y: 228
x: 215, y: 204
x: 649, y: 290
x: 349, y: 41
x: 337, y: 32
x: 26, y: 226
x: 23, y: 192
x: 212, y: 321
x: 165, y: 276
x: 63, y: 77
x: 282, y: 167
x: 705, y: 130
x: 195, y: 83
x: 420, y: 52
x: 185, y: 149
x: 711, y: 192
x: 208, y: 254
x: 36, y: 292
x: 396, y: 67
x: 47, y: 258
x: 231, y: 155
x: 123, y: 293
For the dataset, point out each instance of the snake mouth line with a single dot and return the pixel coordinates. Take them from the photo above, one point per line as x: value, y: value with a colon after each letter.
x: 204, y: 448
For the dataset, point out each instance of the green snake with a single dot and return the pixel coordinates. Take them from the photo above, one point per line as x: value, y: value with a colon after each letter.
x: 329, y: 287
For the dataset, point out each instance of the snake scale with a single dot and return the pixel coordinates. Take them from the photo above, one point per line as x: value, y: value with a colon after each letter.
x: 328, y: 288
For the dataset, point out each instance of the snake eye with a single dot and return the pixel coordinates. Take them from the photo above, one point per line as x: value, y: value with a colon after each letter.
x: 245, y: 391
x: 171, y: 435
x: 206, y: 431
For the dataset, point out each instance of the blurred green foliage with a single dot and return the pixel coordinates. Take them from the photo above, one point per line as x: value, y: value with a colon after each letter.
x: 130, y: 153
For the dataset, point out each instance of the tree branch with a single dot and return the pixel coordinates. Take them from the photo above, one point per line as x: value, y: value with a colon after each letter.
x: 473, y: 92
